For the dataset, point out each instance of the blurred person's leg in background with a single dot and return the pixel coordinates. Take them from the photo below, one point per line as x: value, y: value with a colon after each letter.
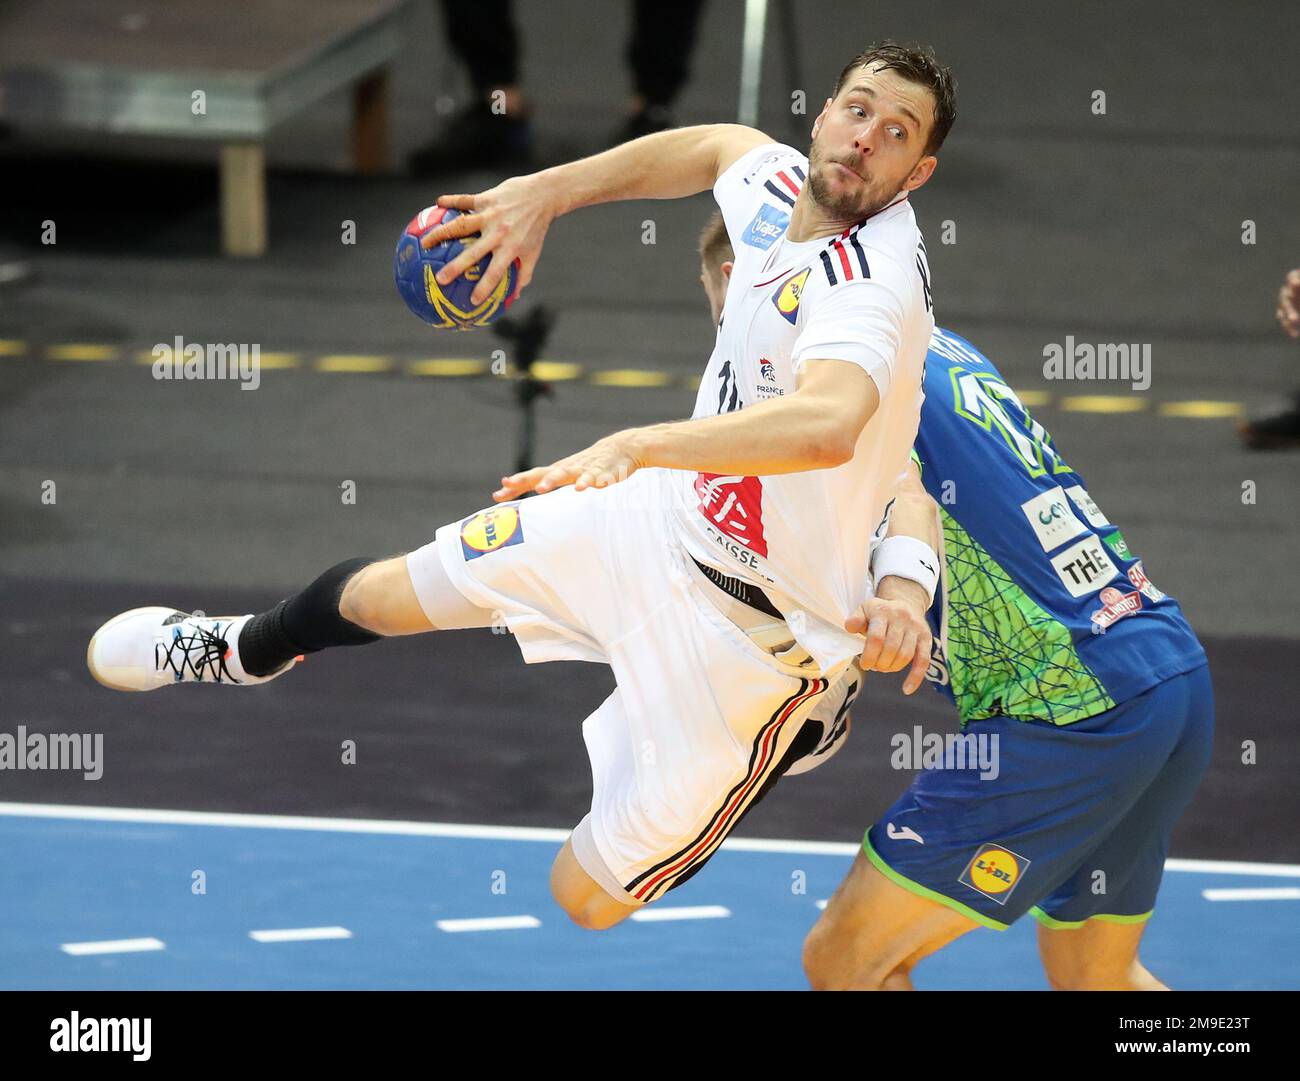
x: 1280, y: 430
x: 14, y: 269
x: 659, y: 54
x: 494, y: 127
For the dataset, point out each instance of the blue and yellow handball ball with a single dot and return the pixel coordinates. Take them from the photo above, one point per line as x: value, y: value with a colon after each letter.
x: 446, y: 307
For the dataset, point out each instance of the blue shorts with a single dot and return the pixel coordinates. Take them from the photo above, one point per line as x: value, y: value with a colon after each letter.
x: 1076, y: 822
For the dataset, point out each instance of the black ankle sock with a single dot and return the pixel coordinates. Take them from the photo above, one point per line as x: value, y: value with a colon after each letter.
x: 304, y: 623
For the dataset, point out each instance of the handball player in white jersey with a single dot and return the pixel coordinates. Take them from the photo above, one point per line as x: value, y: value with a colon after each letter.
x: 716, y: 564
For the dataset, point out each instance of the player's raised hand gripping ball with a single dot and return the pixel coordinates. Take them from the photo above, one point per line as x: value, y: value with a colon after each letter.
x: 446, y: 306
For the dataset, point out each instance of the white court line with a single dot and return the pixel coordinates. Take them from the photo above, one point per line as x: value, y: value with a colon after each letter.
x: 822, y: 904
x: 681, y: 912
x: 279, y: 822
x: 490, y: 923
x: 300, y: 934
x: 503, y: 833
x: 1232, y: 867
x: 1276, y: 893
x: 116, y: 945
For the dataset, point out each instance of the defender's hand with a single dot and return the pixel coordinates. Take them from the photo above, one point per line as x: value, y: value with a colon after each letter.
x: 1288, y: 304
x: 512, y: 219
x: 600, y: 465
x: 897, y: 634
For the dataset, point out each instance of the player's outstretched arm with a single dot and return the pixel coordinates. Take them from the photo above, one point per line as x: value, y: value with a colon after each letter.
x: 513, y: 217
x: 816, y: 427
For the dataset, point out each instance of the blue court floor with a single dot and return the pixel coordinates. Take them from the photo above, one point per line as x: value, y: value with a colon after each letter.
x: 101, y: 898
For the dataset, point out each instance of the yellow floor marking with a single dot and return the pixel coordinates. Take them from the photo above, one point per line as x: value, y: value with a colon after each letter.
x: 631, y: 377
x: 447, y: 366
x: 79, y: 351
x: 1103, y: 403
x: 353, y: 363
x: 1201, y: 410
x: 556, y: 371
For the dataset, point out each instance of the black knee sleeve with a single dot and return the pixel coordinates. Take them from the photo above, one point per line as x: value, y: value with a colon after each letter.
x: 304, y: 623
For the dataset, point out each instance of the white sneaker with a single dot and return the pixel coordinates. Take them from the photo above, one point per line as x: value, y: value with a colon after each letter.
x: 148, y: 648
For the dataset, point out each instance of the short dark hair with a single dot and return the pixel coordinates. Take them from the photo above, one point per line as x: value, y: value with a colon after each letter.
x: 918, y: 65
x: 715, y: 244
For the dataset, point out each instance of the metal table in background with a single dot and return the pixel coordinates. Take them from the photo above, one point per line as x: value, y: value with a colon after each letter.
x: 191, y: 69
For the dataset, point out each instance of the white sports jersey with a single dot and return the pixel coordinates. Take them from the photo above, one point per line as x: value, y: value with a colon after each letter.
x: 862, y: 296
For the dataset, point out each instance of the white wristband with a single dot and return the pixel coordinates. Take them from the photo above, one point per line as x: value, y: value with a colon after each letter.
x: 905, y: 557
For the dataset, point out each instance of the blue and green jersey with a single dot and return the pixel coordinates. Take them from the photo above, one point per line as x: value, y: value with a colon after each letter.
x: 1044, y: 611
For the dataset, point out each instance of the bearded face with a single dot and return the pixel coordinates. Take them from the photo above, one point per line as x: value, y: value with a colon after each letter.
x: 846, y: 188
x: 869, y: 144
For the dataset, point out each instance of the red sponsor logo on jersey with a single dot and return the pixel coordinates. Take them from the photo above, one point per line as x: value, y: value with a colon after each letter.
x: 1115, y: 606
x: 734, y: 505
x: 1138, y: 577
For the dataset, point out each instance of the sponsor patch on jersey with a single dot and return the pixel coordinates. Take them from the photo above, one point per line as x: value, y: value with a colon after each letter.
x: 994, y: 871
x: 766, y: 227
x: 788, y: 294
x: 1138, y: 577
x: 1083, y: 567
x: 734, y: 506
x: 1118, y: 544
x: 490, y: 530
x: 1084, y: 502
x: 1115, y: 605
x: 1052, y: 519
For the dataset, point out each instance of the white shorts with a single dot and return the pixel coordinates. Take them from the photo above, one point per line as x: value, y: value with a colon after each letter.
x: 702, y: 719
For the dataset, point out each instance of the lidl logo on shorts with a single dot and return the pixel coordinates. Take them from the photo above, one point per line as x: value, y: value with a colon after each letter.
x: 496, y: 527
x: 994, y: 872
x: 786, y: 298
x: 766, y: 228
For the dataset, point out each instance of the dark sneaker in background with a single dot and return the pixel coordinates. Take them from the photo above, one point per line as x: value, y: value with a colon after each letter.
x: 473, y: 138
x: 643, y: 122
x: 1277, y: 432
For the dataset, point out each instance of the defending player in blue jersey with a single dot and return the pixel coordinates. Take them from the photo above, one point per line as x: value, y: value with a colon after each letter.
x: 1064, y: 661
x: 1082, y: 677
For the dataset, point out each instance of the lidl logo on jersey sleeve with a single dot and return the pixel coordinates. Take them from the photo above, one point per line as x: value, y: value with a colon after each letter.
x: 766, y: 228
x: 994, y: 872
x: 489, y: 530
x: 788, y: 295
x: 1053, y: 521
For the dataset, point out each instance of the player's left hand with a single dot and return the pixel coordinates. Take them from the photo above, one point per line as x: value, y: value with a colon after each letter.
x: 604, y: 463
x: 897, y: 633
x: 511, y: 220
